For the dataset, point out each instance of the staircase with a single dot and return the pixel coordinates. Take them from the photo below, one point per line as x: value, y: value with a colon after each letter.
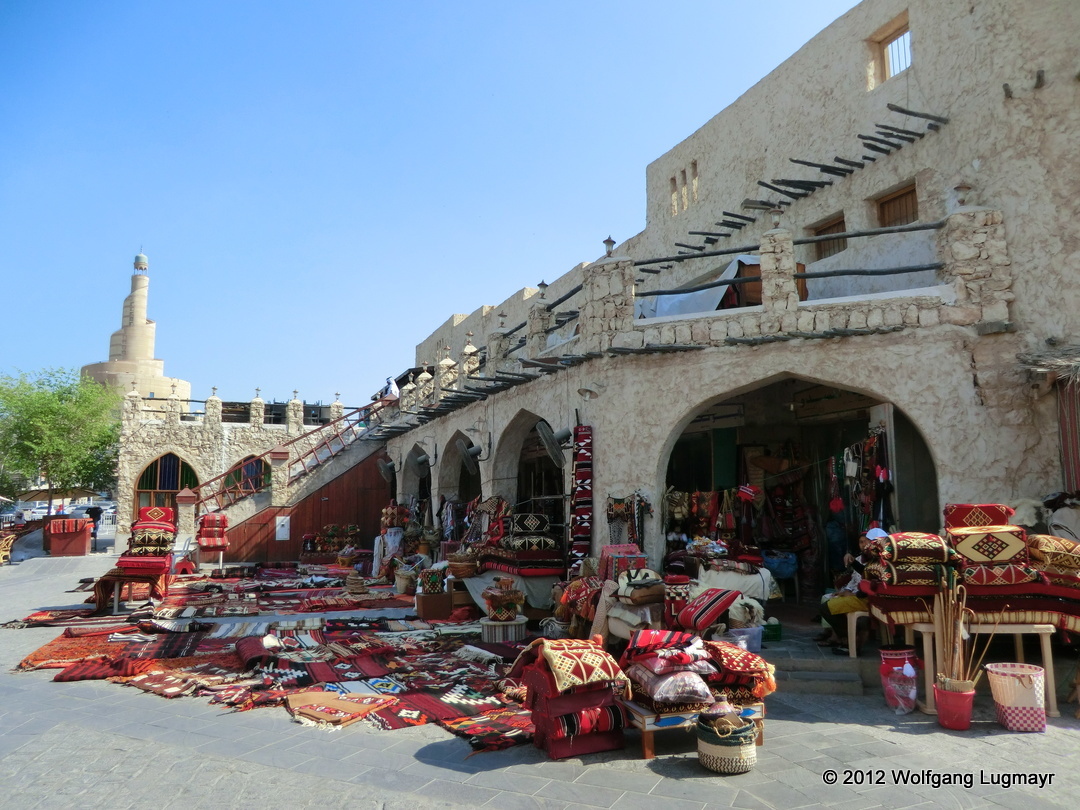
x: 803, y: 668
x: 245, y: 490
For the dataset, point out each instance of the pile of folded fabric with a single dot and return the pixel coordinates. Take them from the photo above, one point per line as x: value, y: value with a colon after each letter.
x: 151, y: 543
x: 666, y: 670
x: 654, y: 656
x: 993, y: 552
x: 910, y: 558
x: 1056, y: 558
x: 520, y: 546
x: 572, y: 688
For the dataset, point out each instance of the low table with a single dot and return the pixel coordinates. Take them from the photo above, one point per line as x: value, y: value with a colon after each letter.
x: 649, y: 722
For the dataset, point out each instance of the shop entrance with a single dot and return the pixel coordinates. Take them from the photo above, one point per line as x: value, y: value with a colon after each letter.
x: 540, y: 477
x: 800, y: 467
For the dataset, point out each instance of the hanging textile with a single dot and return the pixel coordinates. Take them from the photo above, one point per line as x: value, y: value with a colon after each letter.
x: 581, y: 497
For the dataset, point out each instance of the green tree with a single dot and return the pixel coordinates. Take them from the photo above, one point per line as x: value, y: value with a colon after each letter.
x: 61, y: 427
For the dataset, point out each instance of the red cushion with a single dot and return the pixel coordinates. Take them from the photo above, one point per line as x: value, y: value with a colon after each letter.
x: 214, y: 521
x: 163, y: 514
x: 153, y: 526
x: 705, y: 610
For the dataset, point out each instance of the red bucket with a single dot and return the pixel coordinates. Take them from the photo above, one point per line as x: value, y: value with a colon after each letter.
x: 953, y: 708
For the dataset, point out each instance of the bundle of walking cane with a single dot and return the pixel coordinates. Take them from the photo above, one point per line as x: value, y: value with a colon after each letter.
x: 958, y: 669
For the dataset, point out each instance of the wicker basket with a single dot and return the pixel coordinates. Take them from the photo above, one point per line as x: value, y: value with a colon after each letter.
x: 727, y: 752
x: 462, y: 570
x: 405, y: 582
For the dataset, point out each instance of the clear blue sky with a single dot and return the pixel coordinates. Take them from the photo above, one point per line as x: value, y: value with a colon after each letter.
x: 319, y: 185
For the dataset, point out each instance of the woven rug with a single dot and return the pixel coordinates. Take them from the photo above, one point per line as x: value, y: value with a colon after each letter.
x: 78, y: 617
x: 395, y: 716
x: 62, y: 651
x: 167, y: 645
x: 494, y: 730
x: 456, y: 701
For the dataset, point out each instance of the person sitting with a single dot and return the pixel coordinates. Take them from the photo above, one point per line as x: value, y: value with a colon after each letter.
x: 848, y: 599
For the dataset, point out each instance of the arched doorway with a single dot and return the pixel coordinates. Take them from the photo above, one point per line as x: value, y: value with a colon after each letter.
x: 825, y: 463
x: 540, y: 477
x: 159, y: 482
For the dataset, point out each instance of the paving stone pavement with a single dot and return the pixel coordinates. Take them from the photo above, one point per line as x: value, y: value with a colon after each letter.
x: 94, y: 744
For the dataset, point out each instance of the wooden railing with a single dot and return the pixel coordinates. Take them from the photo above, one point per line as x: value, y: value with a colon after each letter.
x: 253, y: 474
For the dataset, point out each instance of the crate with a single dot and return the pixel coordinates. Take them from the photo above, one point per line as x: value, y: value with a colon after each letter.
x: 772, y: 632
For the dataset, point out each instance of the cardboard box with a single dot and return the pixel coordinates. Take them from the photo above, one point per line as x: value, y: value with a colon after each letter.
x: 434, y: 605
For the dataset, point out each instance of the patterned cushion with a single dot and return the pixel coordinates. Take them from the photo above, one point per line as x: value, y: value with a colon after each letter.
x: 528, y: 542
x: 529, y: 523
x: 161, y: 514
x: 150, y: 527
x: 1065, y: 578
x: 1005, y: 574
x: 960, y: 515
x: 705, y: 610
x: 214, y: 521
x: 917, y: 548
x: 576, y: 662
x: 1059, y: 552
x: 912, y: 574
x: 605, y: 557
x: 984, y: 545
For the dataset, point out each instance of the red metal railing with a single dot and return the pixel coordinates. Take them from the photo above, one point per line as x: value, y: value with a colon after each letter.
x: 252, y: 475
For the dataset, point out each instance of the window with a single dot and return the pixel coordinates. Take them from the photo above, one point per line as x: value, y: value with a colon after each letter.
x: 674, y: 197
x: 896, y: 53
x: 890, y: 51
x: 694, y: 179
x: 161, y: 480
x: 830, y: 247
x: 685, y: 198
x: 898, y: 208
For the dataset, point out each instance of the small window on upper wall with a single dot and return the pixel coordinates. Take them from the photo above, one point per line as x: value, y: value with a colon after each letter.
x: 898, y: 208
x: 674, y: 197
x: 830, y: 247
x: 896, y: 53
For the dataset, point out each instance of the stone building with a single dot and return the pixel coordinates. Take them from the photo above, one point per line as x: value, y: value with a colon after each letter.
x: 878, y: 238
x: 912, y: 159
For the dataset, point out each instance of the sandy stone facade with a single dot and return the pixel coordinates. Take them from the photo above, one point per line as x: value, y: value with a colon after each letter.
x: 988, y: 264
x: 152, y: 427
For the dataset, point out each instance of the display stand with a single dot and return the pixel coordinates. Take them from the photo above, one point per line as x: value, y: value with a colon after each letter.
x: 648, y: 722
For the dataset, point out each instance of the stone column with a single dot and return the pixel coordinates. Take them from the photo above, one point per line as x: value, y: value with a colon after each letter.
x: 294, y: 416
x: 779, y: 294
x: 257, y: 412
x: 445, y: 377
x: 337, y: 410
x: 172, y: 409
x: 470, y: 361
x: 497, y: 344
x: 213, y: 410
x: 972, y: 245
x: 129, y: 416
x: 538, y: 322
x: 607, y: 311
x: 185, y: 511
x: 279, y: 476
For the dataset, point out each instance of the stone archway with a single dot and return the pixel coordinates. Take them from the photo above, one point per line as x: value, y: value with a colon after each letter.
x: 456, y: 481
x: 783, y: 434
x: 159, y: 482
x: 416, y: 475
